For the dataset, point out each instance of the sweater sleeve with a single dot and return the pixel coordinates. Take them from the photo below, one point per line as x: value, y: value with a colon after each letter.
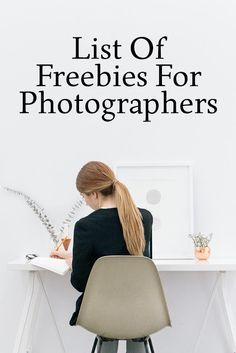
x: 83, y: 258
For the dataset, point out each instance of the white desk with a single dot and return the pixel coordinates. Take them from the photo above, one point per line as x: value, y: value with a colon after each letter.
x: 36, y: 288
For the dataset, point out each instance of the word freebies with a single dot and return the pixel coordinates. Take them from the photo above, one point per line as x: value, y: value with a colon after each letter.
x: 157, y: 79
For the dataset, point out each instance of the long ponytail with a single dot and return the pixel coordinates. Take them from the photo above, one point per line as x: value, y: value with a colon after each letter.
x: 131, y: 220
x: 96, y: 176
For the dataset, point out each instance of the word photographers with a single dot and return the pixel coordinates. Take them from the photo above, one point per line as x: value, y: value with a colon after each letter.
x: 109, y: 108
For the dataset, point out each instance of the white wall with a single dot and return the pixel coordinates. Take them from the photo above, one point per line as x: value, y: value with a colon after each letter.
x: 41, y: 155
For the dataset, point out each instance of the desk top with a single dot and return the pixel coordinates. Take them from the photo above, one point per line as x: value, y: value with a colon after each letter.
x: 213, y: 264
x: 168, y: 265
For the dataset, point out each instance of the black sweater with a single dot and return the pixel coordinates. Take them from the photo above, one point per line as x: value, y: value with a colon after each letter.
x: 100, y: 234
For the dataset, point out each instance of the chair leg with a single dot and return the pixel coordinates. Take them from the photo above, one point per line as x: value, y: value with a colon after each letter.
x: 100, y: 342
x: 107, y: 345
x: 94, y: 344
x: 150, y: 344
x: 146, y: 346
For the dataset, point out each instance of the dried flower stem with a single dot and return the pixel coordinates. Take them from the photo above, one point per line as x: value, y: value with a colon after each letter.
x: 201, y: 240
x: 71, y: 214
x: 39, y: 211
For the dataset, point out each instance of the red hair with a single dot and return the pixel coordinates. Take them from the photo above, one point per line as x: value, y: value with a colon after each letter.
x: 98, y: 177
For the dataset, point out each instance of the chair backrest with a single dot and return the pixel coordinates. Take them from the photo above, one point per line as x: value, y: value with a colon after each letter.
x: 123, y: 298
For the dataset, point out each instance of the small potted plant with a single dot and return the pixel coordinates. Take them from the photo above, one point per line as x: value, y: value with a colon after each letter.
x: 201, y: 243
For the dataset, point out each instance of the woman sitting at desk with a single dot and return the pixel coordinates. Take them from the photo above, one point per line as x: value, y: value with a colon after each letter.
x: 116, y: 227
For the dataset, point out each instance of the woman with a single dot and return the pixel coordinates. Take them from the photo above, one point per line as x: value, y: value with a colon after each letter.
x: 116, y: 227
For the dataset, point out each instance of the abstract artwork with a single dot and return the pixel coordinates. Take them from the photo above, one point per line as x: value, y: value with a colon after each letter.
x: 165, y: 189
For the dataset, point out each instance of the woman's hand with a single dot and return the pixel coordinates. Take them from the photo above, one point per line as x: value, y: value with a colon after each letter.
x: 69, y: 262
x: 61, y: 254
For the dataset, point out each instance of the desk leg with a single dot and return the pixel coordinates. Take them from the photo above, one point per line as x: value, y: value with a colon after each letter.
x: 28, y: 316
x: 227, y: 310
x: 221, y: 285
x: 52, y: 315
x: 23, y: 343
x: 207, y: 313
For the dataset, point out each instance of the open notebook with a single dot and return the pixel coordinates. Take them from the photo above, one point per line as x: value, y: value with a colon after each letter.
x: 49, y: 263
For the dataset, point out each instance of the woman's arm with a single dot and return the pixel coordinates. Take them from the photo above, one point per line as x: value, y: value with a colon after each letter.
x: 82, y: 260
x: 83, y: 254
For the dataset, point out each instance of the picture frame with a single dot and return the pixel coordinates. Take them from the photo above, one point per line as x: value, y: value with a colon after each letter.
x: 166, y: 190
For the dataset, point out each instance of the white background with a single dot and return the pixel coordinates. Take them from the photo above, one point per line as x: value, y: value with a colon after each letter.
x: 42, y: 155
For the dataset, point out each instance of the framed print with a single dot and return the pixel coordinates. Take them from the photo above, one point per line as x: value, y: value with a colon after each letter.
x: 166, y: 190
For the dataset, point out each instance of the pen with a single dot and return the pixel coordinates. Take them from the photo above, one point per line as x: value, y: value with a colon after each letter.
x: 61, y: 242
